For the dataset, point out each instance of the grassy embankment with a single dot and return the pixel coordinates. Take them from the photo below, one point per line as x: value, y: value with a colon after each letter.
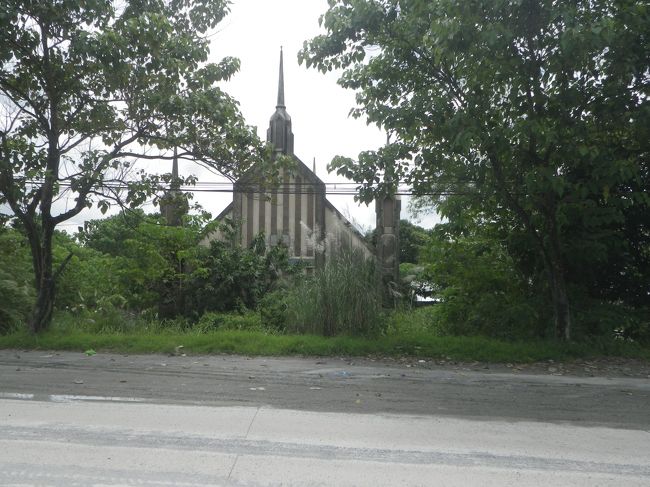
x: 244, y: 335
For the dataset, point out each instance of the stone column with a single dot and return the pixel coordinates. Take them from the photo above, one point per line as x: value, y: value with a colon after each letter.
x: 388, y: 210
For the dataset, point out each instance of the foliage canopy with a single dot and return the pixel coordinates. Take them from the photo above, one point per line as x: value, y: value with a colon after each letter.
x: 87, y: 88
x: 531, y: 116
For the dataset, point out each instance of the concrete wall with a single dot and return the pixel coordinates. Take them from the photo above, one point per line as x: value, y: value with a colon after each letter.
x: 341, y: 235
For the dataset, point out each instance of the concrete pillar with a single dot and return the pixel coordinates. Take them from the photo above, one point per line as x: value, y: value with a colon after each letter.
x: 388, y: 209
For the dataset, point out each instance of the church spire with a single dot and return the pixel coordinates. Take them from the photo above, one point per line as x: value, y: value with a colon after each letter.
x: 279, y: 133
x: 281, y: 83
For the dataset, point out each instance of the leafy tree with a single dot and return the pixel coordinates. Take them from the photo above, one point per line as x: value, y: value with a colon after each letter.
x: 531, y: 116
x: 87, y: 87
x: 150, y: 261
x: 154, y: 266
x: 478, y: 286
x: 108, y: 235
x: 411, y: 239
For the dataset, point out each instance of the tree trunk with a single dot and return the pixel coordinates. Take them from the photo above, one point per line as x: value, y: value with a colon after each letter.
x: 42, y: 314
x: 561, y: 310
x: 557, y: 275
x: 44, y: 280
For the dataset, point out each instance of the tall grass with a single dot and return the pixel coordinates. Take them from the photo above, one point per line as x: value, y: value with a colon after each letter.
x: 340, y: 298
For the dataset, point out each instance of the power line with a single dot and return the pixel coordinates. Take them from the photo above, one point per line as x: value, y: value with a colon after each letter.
x: 303, y: 188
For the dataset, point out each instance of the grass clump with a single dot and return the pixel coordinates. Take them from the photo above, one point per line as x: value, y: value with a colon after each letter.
x: 341, y: 298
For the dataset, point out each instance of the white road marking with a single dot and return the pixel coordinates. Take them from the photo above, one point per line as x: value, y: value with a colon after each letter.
x: 16, y: 395
x: 75, y: 397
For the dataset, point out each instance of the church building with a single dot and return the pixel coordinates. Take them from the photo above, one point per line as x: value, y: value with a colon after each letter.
x: 295, y: 211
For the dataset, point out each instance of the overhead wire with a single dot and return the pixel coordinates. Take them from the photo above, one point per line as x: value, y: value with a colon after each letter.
x: 302, y: 188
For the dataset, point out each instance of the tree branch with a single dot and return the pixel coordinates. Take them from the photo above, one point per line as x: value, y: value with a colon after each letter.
x: 93, y: 179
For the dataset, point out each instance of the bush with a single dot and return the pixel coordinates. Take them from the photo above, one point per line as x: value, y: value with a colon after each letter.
x: 480, y: 291
x: 16, y: 303
x: 105, y: 318
x: 340, y: 298
x: 594, y: 318
x: 211, y: 322
x: 89, y: 278
x: 407, y: 321
x: 16, y: 280
x: 231, y: 278
x: 274, y: 310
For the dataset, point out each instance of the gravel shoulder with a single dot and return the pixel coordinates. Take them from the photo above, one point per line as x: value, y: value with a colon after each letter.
x: 601, y: 367
x: 608, y: 392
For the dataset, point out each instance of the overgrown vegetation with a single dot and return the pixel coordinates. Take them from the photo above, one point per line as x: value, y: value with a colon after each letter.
x: 341, y: 298
x: 481, y: 285
x: 87, y: 89
x: 408, y: 335
x: 16, y: 293
x: 133, y: 266
x: 524, y: 124
x: 131, y: 274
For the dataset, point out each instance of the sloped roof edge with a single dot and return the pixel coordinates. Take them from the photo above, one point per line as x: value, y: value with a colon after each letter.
x: 349, y: 224
x: 302, y: 168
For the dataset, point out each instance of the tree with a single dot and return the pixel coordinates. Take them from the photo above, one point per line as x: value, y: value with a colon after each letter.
x: 168, y: 270
x: 530, y: 115
x: 478, y: 287
x: 412, y: 238
x: 150, y: 260
x: 86, y: 88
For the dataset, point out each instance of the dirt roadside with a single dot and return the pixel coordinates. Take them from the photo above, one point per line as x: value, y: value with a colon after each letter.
x: 601, y: 367
x: 614, y: 393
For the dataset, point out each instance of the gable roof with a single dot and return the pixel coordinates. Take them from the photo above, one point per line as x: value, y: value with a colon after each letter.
x: 252, y: 175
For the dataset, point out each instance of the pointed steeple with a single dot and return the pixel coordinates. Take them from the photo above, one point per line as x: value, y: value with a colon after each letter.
x: 279, y: 132
x: 281, y: 83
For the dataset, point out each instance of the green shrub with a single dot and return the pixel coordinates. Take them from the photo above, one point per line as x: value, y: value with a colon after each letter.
x: 17, y: 299
x: 414, y: 321
x: 211, y: 322
x: 594, y: 318
x: 89, y: 278
x: 231, y: 278
x: 105, y: 318
x: 274, y: 310
x: 16, y: 280
x: 340, y: 298
x: 480, y: 290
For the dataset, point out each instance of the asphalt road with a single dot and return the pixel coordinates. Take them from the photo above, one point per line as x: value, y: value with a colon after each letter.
x: 68, y: 419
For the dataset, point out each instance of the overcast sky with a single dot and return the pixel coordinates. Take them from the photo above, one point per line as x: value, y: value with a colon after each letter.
x: 254, y: 32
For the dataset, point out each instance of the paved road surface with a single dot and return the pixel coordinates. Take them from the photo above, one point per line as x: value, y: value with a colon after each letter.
x: 67, y: 419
